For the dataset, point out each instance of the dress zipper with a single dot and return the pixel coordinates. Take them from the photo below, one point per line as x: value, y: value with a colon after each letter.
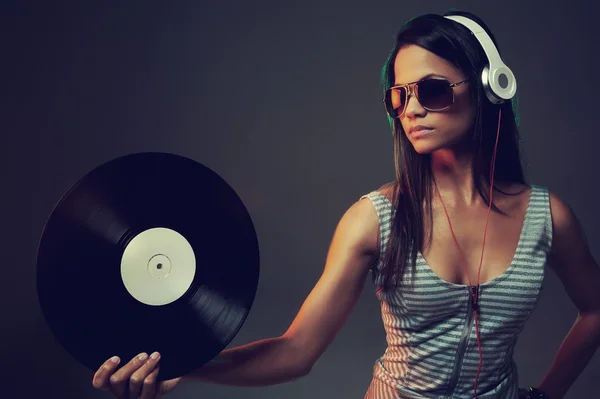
x: 462, y: 346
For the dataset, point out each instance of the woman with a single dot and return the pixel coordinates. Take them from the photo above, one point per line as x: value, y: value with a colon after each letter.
x: 452, y: 311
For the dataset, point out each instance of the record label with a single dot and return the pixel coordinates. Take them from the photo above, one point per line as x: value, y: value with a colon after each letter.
x: 158, y: 266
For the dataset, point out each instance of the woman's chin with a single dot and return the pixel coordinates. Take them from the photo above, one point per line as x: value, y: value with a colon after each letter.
x: 424, y: 148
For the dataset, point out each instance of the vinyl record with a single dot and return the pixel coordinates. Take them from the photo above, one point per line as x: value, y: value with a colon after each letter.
x: 148, y: 252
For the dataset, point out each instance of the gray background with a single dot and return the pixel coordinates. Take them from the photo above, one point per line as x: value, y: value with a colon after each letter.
x: 282, y: 99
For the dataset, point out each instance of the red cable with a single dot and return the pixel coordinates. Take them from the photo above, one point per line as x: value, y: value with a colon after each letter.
x: 476, y: 298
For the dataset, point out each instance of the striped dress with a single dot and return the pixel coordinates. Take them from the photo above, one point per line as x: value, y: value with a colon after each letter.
x: 430, y: 329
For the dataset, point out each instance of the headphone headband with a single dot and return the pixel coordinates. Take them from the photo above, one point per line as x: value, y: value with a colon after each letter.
x: 498, y: 80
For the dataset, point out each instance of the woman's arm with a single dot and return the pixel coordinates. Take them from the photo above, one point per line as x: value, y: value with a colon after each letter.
x: 353, y: 250
x: 573, y: 263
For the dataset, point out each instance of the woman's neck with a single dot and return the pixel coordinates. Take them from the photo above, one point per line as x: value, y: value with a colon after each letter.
x: 453, y: 174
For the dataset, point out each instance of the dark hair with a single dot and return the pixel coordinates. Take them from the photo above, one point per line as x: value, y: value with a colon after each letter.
x: 412, y: 188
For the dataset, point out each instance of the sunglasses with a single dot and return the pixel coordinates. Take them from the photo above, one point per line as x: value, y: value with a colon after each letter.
x: 434, y: 94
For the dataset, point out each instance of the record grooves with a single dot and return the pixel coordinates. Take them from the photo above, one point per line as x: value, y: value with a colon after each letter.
x: 148, y: 252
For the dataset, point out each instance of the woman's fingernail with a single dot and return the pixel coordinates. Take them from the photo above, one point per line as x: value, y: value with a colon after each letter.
x: 154, y: 356
x: 114, y: 359
x: 143, y: 356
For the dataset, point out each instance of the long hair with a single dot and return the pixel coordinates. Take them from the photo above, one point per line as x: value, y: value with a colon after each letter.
x: 412, y: 192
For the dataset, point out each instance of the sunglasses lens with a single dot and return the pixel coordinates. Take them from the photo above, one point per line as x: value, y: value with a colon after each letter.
x: 435, y: 94
x: 394, y: 101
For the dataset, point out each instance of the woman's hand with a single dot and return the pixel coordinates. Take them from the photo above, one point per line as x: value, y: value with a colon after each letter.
x: 135, y: 380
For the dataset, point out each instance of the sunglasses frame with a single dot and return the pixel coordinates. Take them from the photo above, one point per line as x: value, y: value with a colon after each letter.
x: 411, y: 89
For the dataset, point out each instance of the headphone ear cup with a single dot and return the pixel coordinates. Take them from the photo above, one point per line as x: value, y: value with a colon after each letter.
x: 499, y: 85
x: 487, y: 88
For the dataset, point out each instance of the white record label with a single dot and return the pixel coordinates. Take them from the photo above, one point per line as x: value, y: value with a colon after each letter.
x: 158, y: 266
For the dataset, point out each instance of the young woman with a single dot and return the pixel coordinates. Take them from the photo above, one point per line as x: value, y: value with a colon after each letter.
x: 456, y: 277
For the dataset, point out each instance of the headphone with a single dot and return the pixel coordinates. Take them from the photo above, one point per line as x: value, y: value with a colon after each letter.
x: 499, y: 82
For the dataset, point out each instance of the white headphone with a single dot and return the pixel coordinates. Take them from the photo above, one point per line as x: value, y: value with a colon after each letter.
x: 499, y: 82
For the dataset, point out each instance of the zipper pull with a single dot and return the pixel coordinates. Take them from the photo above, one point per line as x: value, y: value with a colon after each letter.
x: 475, y: 297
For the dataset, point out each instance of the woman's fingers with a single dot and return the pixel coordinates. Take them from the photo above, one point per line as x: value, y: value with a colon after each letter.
x: 119, y: 381
x: 135, y: 380
x: 138, y: 378
x: 149, y: 387
x: 102, y: 375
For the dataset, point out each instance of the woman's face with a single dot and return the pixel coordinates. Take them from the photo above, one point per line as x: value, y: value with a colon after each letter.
x: 446, y: 128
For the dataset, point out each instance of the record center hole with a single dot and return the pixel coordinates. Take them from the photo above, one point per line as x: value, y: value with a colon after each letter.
x: 159, y: 266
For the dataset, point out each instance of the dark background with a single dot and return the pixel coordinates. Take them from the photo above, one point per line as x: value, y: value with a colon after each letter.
x: 282, y: 99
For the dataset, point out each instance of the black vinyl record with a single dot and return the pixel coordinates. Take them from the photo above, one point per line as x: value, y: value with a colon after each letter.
x: 148, y: 252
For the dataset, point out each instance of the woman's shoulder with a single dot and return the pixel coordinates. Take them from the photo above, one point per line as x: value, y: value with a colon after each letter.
x: 358, y: 227
x: 387, y: 190
x: 384, y: 191
x: 364, y: 215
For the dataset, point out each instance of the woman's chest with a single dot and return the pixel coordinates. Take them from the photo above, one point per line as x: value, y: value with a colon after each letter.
x: 458, y: 246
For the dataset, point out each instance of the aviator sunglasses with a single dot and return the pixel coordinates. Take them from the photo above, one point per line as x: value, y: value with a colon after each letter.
x: 434, y: 94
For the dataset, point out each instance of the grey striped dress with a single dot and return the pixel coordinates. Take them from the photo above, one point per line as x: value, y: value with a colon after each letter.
x: 430, y: 330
